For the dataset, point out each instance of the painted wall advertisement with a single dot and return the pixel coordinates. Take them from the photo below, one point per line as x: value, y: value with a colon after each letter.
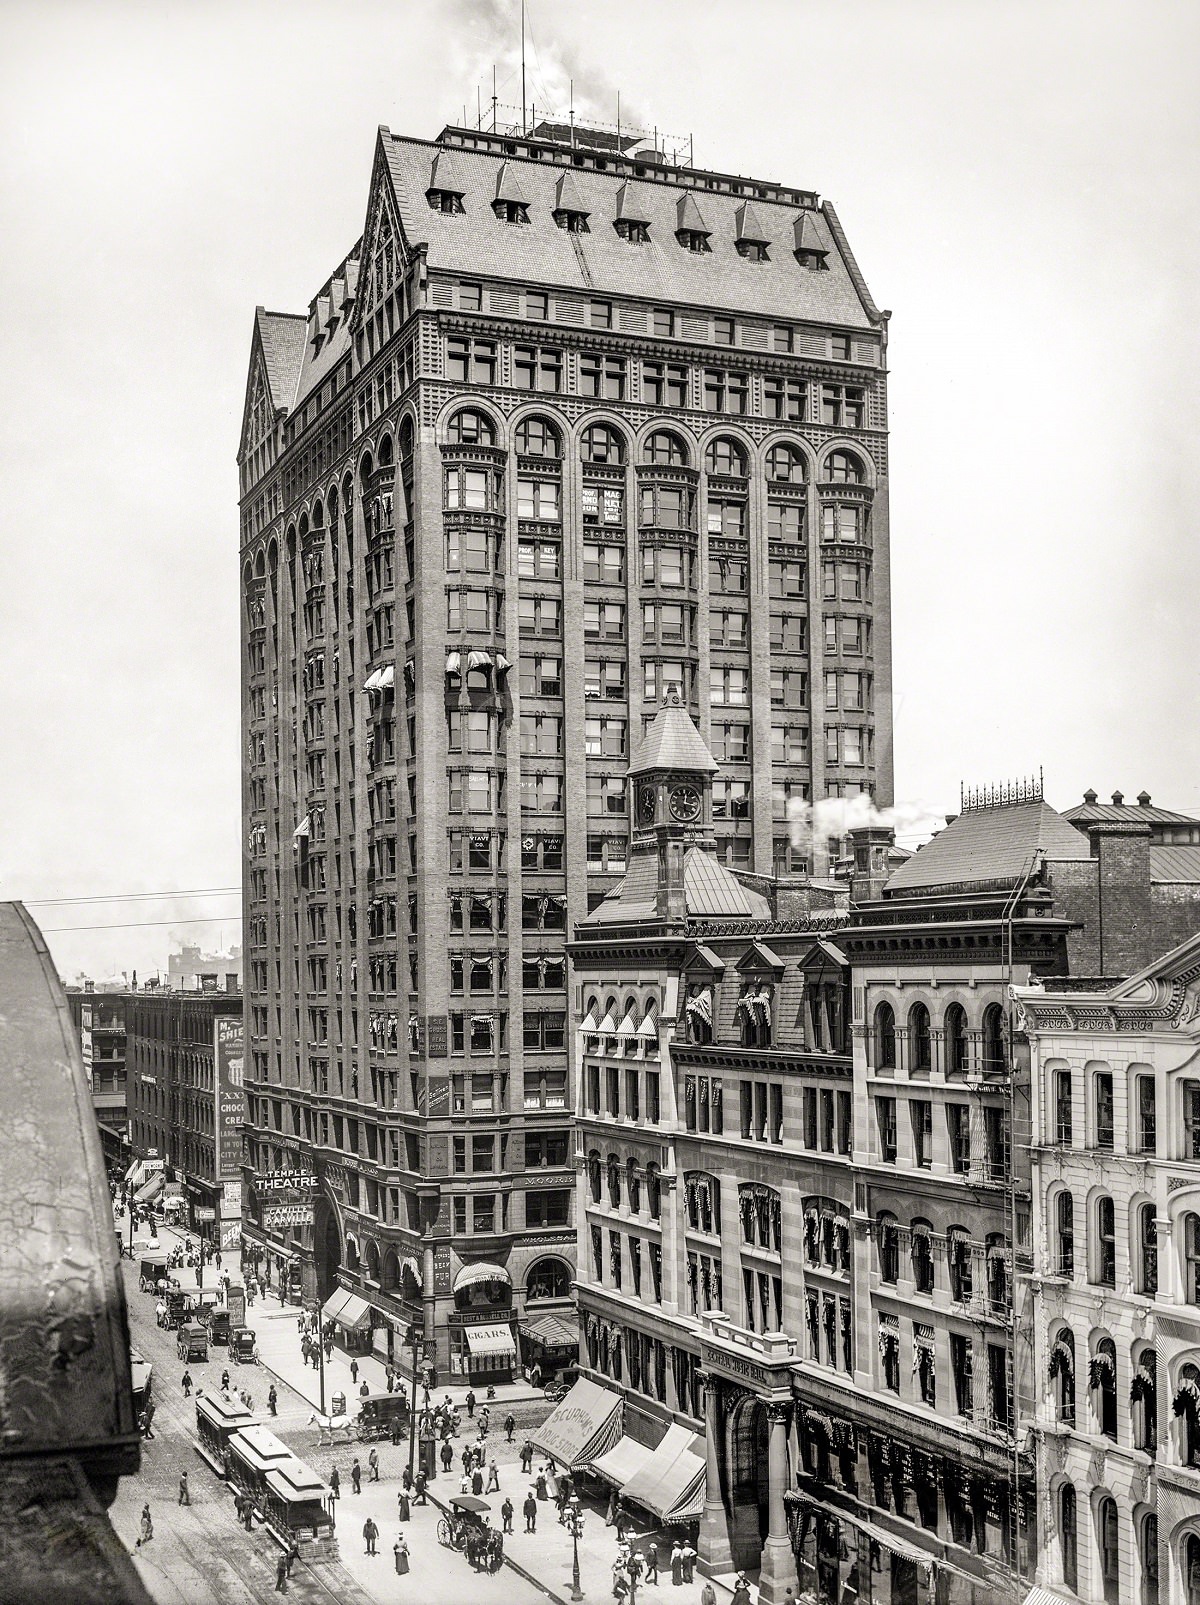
x: 229, y: 1050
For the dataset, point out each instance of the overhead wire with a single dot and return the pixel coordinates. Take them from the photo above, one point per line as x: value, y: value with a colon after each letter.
x: 133, y: 925
x: 130, y: 897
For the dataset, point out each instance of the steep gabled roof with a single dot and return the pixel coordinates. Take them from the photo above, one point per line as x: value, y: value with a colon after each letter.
x: 567, y: 195
x: 673, y: 742
x: 689, y: 216
x: 633, y: 205
x: 751, y: 226
x: 509, y: 186
x: 990, y: 845
x: 808, y: 236
x: 283, y: 337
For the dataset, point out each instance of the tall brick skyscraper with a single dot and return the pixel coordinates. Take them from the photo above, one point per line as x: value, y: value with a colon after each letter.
x: 568, y: 427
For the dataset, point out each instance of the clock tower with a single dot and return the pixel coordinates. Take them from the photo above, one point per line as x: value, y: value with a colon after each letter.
x: 670, y: 783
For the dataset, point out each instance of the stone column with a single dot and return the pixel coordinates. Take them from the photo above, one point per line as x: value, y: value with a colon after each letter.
x: 716, y: 1552
x: 778, y: 1566
x: 429, y: 1301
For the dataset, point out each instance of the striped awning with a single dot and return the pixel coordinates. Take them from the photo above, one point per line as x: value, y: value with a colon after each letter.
x: 552, y: 1332
x: 490, y: 1342
x: 150, y: 1189
x: 481, y: 1271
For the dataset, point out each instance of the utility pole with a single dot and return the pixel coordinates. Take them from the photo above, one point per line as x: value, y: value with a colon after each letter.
x: 412, y: 1422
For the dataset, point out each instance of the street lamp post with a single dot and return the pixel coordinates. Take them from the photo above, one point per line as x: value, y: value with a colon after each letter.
x: 575, y: 1528
x: 414, y: 1338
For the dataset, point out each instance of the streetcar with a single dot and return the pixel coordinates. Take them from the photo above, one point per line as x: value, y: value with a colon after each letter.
x: 254, y: 1452
x: 298, y: 1509
x: 217, y: 1419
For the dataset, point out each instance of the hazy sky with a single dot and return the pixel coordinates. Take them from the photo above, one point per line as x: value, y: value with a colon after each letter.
x: 1018, y: 181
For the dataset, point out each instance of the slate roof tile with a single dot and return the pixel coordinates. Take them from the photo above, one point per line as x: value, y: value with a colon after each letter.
x: 990, y: 844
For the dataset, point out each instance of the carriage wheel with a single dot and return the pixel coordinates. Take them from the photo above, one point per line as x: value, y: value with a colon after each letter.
x: 445, y: 1533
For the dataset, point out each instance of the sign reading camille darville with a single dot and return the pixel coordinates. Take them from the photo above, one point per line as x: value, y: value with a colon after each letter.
x: 275, y: 1215
x: 229, y: 1050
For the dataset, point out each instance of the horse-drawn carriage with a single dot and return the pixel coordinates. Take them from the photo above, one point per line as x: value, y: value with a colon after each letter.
x: 242, y: 1346
x: 465, y: 1526
x: 378, y: 1412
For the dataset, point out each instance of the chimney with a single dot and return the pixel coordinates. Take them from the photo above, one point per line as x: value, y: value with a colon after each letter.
x: 1144, y: 798
x: 870, y: 846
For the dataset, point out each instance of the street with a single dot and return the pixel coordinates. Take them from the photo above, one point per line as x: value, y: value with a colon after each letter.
x: 201, y: 1555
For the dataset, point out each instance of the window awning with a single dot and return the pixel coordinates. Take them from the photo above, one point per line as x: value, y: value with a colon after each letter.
x: 622, y: 1462
x: 372, y: 681
x: 479, y: 660
x: 335, y: 1302
x: 453, y: 662
x: 607, y: 1026
x: 627, y: 1027
x: 590, y: 1021
x: 502, y: 663
x: 648, y: 1027
x: 580, y: 1428
x: 303, y: 828
x: 552, y: 1332
x: 481, y: 1271
x: 491, y: 1342
x: 150, y: 1189
x: 387, y: 677
x: 667, y: 1483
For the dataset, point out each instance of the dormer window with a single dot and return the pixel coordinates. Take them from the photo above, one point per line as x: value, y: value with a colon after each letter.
x: 753, y: 251
x: 813, y: 260
x: 635, y: 233
x: 444, y: 200
x: 572, y: 222
x: 694, y: 240
x: 511, y: 211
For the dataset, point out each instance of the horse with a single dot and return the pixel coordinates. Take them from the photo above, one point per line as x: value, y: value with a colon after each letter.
x: 332, y: 1429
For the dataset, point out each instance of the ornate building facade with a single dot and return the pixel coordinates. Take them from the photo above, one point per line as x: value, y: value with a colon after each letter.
x: 1115, y: 1301
x: 542, y: 435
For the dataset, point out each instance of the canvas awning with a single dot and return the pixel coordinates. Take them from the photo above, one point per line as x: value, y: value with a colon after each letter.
x: 354, y: 1314
x: 453, y: 661
x: 622, y: 1462
x: 502, y: 663
x: 372, y: 681
x: 387, y: 677
x: 552, y: 1332
x: 479, y: 660
x: 669, y: 1479
x: 150, y: 1189
x: 303, y: 828
x: 490, y: 1342
x: 580, y: 1428
x: 481, y: 1271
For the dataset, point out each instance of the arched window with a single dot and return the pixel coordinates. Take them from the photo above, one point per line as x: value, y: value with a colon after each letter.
x: 1143, y: 1400
x: 919, y: 1041
x: 1186, y: 1408
x: 1105, y: 1120
x: 1191, y: 1569
x: 922, y: 1256
x: 600, y: 444
x: 1191, y: 1258
x: 1104, y: 1264
x: 885, y: 1037
x: 959, y: 1264
x: 1109, y: 1548
x: 1062, y: 1374
x: 1063, y: 1118
x: 843, y: 468
x: 614, y: 1181
x: 665, y: 450
x: 653, y: 1191
x: 954, y: 1032
x: 1147, y: 1250
x: 1068, y: 1535
x: 470, y: 428
x: 535, y: 437
x: 407, y: 438
x: 595, y: 1185
x: 785, y: 465
x: 887, y: 1238
x: 1064, y: 1227
x: 725, y: 456
x: 546, y: 1279
x: 1148, y: 1547
x: 1102, y: 1380
x: 995, y: 1056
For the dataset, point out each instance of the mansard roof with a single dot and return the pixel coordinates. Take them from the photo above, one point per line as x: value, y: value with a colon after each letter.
x: 710, y: 890
x: 598, y: 263
x: 990, y: 845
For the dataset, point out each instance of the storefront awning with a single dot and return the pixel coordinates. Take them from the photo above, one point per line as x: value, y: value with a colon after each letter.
x: 490, y: 1342
x: 335, y: 1303
x: 481, y: 1271
x: 552, y: 1332
x: 585, y: 1424
x: 354, y: 1314
x: 622, y: 1462
x: 150, y: 1189
x: 668, y: 1481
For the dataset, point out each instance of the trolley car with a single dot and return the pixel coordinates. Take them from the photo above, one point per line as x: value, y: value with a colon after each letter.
x: 217, y: 1419
x: 253, y: 1453
x: 299, y: 1509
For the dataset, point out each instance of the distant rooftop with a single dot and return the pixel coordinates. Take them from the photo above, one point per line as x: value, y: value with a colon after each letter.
x: 992, y: 844
x: 1092, y: 811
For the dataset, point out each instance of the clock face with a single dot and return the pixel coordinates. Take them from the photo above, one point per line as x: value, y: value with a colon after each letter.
x: 647, y: 804
x: 685, y: 802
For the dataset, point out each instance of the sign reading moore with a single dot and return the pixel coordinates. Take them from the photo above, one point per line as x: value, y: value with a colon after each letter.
x: 229, y: 1053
